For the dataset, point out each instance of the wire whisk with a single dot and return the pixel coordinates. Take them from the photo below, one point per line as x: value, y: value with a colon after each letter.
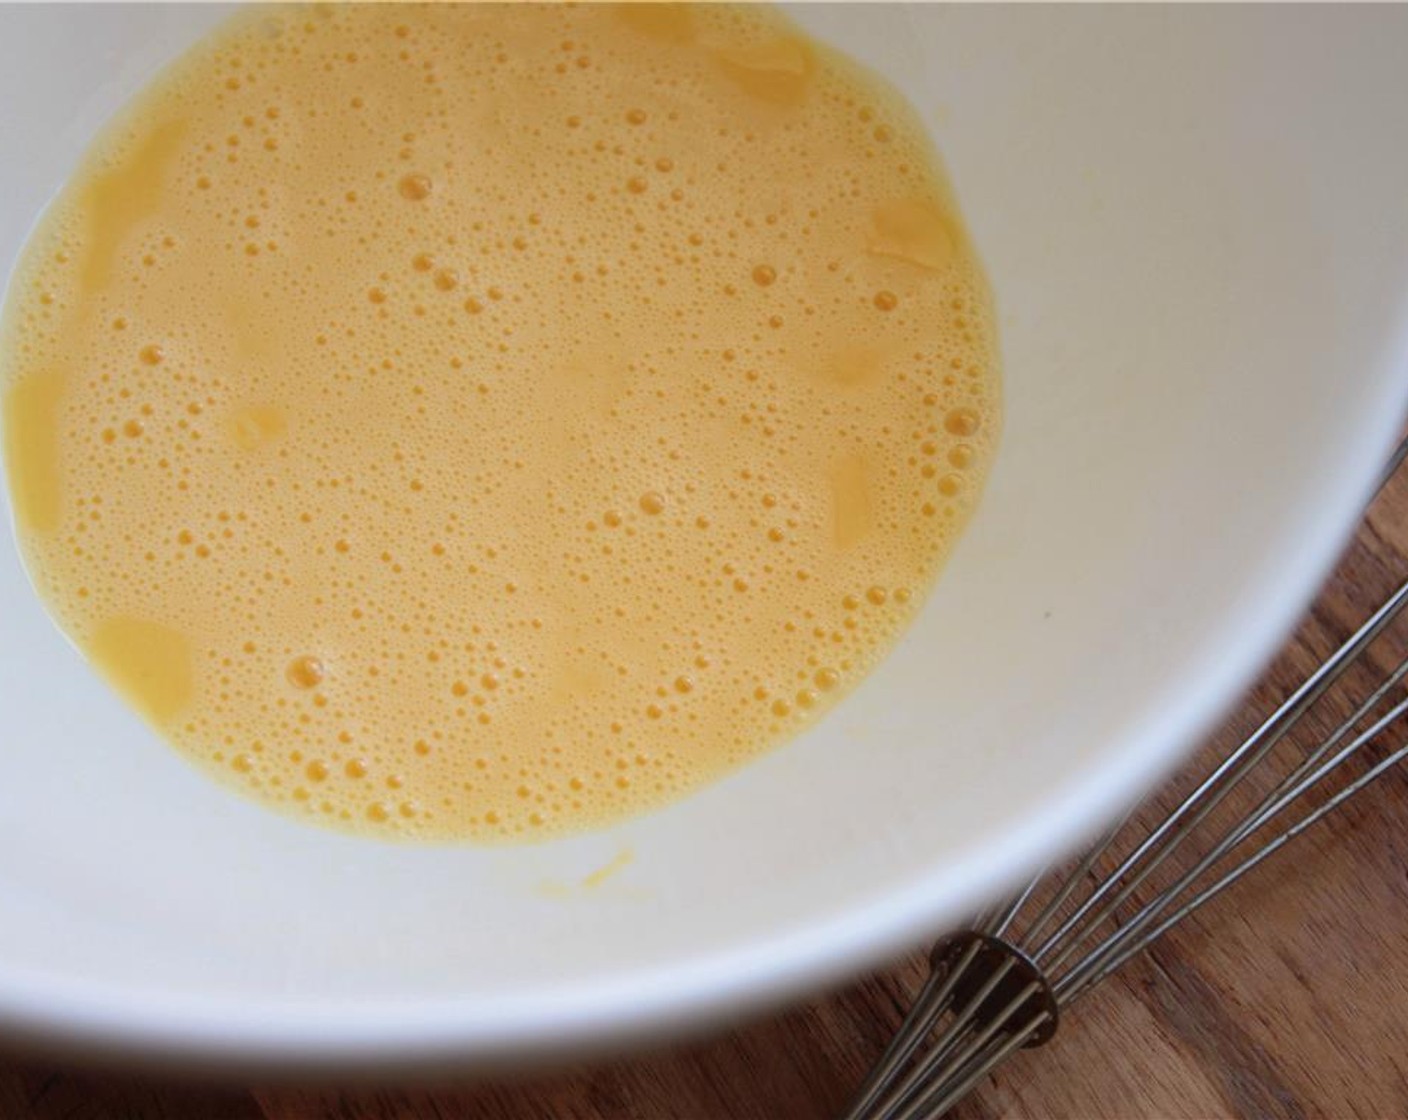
x: 1003, y: 983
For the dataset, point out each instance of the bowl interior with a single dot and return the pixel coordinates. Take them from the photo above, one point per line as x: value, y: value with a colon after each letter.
x: 1193, y: 221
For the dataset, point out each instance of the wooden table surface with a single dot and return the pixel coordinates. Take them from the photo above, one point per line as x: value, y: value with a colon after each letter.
x: 1286, y: 997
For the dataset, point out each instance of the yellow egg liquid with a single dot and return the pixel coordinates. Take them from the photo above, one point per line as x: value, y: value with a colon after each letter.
x: 489, y: 422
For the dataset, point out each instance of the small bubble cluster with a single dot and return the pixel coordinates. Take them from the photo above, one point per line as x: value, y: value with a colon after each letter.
x: 489, y: 421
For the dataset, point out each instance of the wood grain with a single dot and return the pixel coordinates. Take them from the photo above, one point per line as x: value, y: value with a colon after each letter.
x: 1285, y: 998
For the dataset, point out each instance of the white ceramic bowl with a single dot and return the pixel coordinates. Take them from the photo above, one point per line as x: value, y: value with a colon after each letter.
x: 1195, y: 223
